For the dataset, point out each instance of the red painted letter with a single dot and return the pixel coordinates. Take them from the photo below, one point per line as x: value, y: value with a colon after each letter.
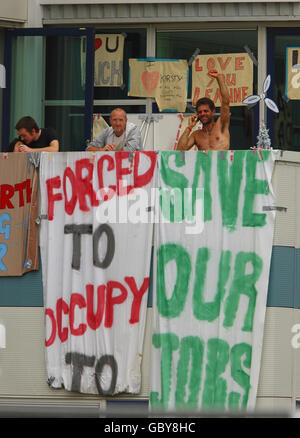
x: 76, y: 300
x: 111, y: 301
x: 138, y: 295
x: 94, y: 319
x: 53, y: 183
x: 61, y: 307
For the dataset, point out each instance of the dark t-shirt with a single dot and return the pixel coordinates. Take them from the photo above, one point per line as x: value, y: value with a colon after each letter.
x: 47, y: 135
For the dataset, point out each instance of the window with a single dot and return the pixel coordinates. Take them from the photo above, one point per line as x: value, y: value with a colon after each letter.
x: 108, y: 98
x: 182, y: 45
x: 285, y: 126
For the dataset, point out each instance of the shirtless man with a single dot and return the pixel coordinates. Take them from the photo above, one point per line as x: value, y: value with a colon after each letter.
x: 214, y: 135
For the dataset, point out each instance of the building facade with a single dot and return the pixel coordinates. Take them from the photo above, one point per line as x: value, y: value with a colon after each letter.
x: 47, y: 47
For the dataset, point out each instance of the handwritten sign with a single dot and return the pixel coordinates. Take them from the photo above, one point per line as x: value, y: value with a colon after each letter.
x: 109, y: 60
x: 165, y: 80
x: 18, y: 213
x: 210, y: 290
x: 292, y: 87
x: 96, y: 282
x: 237, y: 69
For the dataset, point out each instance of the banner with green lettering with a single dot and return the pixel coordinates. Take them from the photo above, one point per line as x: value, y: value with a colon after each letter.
x: 212, y: 257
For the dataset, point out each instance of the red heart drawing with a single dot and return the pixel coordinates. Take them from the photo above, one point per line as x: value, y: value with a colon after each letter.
x: 98, y: 43
x: 150, y: 80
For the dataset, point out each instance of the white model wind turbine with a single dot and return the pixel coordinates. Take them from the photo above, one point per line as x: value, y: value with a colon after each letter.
x: 254, y: 98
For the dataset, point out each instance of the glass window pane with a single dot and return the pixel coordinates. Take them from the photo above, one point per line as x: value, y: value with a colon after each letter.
x: 65, y: 89
x: 68, y: 122
x: 182, y: 45
x: 134, y: 47
x: 65, y: 67
x: 27, y: 81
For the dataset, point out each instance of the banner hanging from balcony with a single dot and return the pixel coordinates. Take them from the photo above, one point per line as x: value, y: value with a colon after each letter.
x: 109, y: 50
x: 18, y: 214
x: 211, y: 279
x: 96, y: 254
x: 237, y: 69
x: 165, y: 80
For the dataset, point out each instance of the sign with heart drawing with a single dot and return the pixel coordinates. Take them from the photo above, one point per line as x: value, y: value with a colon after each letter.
x: 165, y: 80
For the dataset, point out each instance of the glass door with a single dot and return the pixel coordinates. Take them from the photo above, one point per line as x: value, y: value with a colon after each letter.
x: 284, y: 127
x: 50, y: 77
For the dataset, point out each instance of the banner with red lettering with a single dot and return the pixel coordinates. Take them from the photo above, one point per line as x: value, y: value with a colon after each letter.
x: 237, y: 69
x: 96, y: 251
x: 211, y: 272
x: 18, y: 214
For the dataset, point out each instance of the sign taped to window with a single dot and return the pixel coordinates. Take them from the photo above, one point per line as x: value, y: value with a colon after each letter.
x: 237, y: 69
x: 292, y: 85
x: 109, y: 49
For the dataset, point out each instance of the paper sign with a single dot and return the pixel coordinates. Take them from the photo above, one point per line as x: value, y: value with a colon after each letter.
x: 165, y: 80
x: 292, y: 88
x: 109, y: 60
x: 237, y: 69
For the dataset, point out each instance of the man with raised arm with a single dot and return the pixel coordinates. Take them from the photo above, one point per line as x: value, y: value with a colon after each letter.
x: 214, y: 135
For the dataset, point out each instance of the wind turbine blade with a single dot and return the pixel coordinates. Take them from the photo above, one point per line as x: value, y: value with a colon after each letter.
x: 266, y: 84
x: 271, y: 105
x: 251, y: 99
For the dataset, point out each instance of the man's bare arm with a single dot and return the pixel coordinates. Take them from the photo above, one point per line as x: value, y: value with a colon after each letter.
x: 225, y: 109
x: 225, y: 105
x: 187, y: 140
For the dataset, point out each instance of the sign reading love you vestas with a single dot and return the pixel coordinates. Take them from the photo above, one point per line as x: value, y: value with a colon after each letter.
x: 166, y: 80
x: 210, y: 289
x: 109, y: 50
x: 95, y: 271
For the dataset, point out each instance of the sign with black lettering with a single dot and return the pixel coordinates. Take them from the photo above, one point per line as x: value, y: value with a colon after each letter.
x: 166, y: 80
x: 109, y: 50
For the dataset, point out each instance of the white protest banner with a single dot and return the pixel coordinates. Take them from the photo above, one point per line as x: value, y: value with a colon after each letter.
x: 292, y: 85
x: 96, y: 265
x: 211, y: 279
x: 237, y: 69
x: 109, y: 50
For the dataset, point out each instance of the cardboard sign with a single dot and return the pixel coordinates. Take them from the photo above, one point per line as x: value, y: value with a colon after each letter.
x: 211, y: 281
x: 109, y: 60
x: 237, y: 69
x: 165, y: 80
x: 292, y: 86
x: 96, y: 269
x: 18, y: 213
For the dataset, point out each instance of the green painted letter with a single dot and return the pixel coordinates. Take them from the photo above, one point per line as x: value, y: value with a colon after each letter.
x: 168, y: 342
x: 170, y: 308
x: 243, y: 284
